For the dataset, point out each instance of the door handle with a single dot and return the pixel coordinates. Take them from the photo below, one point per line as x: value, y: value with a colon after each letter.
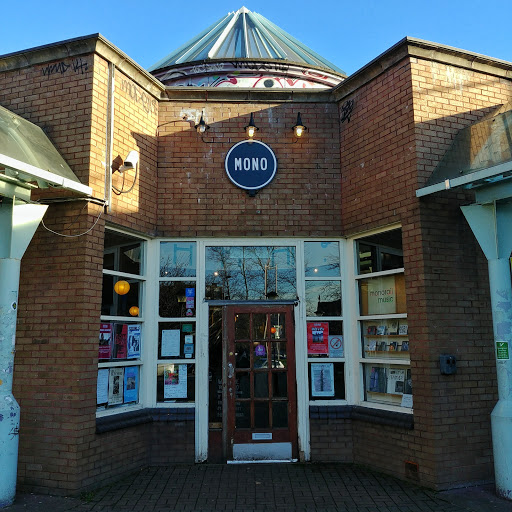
x: 231, y: 371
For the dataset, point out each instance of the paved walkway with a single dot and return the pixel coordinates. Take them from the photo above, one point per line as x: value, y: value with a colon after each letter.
x: 263, y: 487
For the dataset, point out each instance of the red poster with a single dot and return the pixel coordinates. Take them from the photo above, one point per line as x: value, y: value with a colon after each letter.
x: 318, y: 337
x: 105, y: 345
x: 121, y: 340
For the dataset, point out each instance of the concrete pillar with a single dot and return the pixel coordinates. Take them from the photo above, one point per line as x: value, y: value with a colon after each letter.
x: 18, y: 223
x: 501, y: 417
x: 491, y: 224
x: 9, y: 408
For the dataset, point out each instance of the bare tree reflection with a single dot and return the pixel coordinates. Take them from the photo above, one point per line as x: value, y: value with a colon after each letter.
x: 238, y: 273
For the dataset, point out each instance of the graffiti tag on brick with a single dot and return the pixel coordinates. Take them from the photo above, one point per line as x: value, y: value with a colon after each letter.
x: 346, y: 110
x: 78, y: 66
x: 140, y: 97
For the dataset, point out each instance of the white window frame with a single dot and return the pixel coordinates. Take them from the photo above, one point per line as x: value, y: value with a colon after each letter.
x: 359, y: 361
x: 143, y: 278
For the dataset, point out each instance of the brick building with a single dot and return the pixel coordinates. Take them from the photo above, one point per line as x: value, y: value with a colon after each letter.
x: 299, y: 320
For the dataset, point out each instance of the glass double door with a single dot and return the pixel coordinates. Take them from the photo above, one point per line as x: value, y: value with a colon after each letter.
x: 259, y: 383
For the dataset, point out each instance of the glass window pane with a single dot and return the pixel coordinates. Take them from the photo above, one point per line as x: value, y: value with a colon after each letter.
x: 243, y: 385
x: 380, y: 252
x: 331, y: 342
x: 388, y: 384
x: 385, y: 339
x: 277, y: 329
x: 261, y: 385
x: 326, y: 381
x: 280, y: 414
x: 242, y: 326
x: 382, y: 295
x: 260, y: 355
x: 177, y: 299
x: 323, y: 298
x: 279, y: 356
x: 321, y: 259
x: 117, y: 386
x: 177, y: 259
x: 176, y: 340
x: 122, y: 253
x: 215, y: 372
x: 116, y: 304
x: 261, y: 411
x: 260, y: 326
x: 250, y: 273
x: 175, y: 383
x: 243, y: 355
x: 280, y: 384
x: 242, y: 414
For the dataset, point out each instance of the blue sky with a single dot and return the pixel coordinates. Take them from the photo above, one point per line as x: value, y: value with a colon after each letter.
x: 349, y: 34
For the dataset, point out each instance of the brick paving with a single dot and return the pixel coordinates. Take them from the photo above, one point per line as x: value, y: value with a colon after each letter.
x: 263, y: 487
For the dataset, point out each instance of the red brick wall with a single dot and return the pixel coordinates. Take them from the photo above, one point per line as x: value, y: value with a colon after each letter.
x: 403, y: 122
x: 135, y: 127
x: 56, y: 350
x: 172, y: 443
x: 331, y: 440
x: 60, y: 291
x: 196, y: 197
x: 452, y: 312
x: 60, y: 285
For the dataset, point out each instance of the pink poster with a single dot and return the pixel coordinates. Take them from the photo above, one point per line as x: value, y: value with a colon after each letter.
x: 105, y: 344
x: 318, y: 337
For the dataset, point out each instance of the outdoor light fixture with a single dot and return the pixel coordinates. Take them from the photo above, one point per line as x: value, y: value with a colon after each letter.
x: 299, y: 128
x: 201, y: 127
x: 251, y: 128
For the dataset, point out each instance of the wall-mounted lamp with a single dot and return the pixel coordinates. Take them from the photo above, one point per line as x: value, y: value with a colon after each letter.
x: 251, y: 128
x: 201, y: 127
x: 299, y: 128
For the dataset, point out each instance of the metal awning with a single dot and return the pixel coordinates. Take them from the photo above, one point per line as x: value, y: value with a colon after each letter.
x: 480, y: 157
x: 29, y: 160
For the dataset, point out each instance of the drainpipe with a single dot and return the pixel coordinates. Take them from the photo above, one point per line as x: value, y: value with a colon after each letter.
x: 109, y: 136
x: 18, y: 223
x: 490, y: 224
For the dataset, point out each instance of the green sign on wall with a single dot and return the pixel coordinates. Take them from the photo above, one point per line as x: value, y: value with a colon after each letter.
x: 502, y: 350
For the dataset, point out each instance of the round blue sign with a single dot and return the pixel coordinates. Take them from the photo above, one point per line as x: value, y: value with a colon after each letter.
x: 251, y: 165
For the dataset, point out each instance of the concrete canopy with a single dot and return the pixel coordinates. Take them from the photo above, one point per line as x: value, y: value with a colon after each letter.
x: 28, y: 160
x: 480, y: 157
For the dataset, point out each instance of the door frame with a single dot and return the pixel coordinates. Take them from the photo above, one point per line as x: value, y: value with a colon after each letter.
x: 229, y: 393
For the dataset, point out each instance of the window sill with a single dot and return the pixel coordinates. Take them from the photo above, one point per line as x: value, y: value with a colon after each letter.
x: 358, y: 413
x: 134, y: 418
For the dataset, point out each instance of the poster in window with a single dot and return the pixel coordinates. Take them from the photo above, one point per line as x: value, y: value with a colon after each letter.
x: 170, y: 343
x: 396, y: 381
x: 336, y: 346
x: 175, y: 381
x: 105, y: 343
x: 131, y: 384
x: 115, y: 386
x: 318, y: 337
x: 121, y: 339
x: 133, y: 342
x: 322, y: 379
x: 102, y: 387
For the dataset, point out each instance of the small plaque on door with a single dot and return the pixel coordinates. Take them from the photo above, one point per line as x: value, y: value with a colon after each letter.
x: 264, y: 436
